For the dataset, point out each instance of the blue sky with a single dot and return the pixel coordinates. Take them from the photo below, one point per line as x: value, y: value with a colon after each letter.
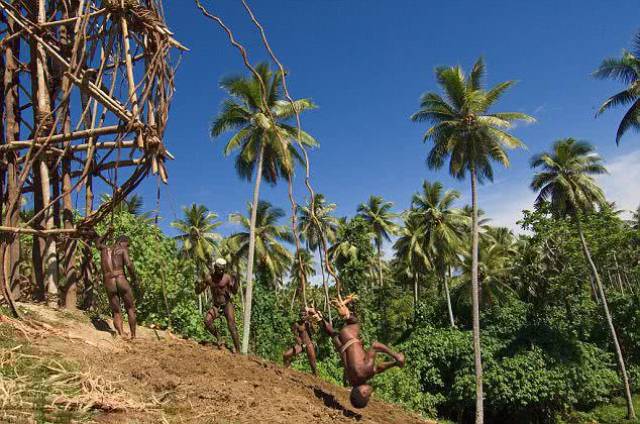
x: 366, y: 63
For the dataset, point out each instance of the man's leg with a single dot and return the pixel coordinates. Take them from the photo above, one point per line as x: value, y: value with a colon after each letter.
x: 209, y: 322
x: 398, y: 358
x: 231, y: 323
x: 114, y: 304
x: 311, y: 355
x: 288, y: 356
x: 129, y: 304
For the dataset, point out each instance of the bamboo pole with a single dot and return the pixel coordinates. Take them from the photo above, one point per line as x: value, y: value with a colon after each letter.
x: 133, y: 98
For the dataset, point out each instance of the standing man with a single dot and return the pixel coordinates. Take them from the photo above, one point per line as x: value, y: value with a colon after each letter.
x: 113, y: 261
x: 302, y: 330
x: 223, y: 287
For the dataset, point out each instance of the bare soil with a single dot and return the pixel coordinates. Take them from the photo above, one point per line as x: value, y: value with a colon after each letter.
x: 181, y: 381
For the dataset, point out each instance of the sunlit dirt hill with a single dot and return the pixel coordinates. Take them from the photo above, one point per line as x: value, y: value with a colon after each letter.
x: 59, y: 366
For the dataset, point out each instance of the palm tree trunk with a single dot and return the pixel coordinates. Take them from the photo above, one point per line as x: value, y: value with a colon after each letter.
x: 448, y: 296
x: 477, y: 352
x: 631, y: 414
x: 246, y: 325
x: 325, y: 284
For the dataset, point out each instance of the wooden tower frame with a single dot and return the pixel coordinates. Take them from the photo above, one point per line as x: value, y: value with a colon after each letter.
x: 87, y: 86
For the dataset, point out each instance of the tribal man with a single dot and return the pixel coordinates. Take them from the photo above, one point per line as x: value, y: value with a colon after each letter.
x: 359, y: 365
x: 223, y: 287
x: 302, y: 330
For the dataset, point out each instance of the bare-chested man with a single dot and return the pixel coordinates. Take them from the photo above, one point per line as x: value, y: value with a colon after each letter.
x: 223, y: 287
x: 302, y: 330
x: 113, y: 260
x: 359, y: 365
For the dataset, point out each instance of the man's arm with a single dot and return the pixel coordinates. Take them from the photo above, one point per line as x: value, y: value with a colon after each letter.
x: 233, y: 284
x: 328, y: 328
x: 201, y: 285
x: 129, y: 264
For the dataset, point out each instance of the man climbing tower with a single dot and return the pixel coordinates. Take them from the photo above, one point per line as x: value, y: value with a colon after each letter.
x: 223, y: 287
x: 359, y: 365
x: 113, y: 260
x: 302, y: 330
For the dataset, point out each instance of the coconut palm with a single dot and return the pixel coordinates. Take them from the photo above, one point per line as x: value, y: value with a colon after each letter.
x: 197, y: 235
x: 496, y: 254
x: 445, y: 228
x: 272, y: 258
x: 625, y: 69
x: 264, y: 141
x: 377, y: 212
x: 313, y: 230
x: 411, y: 250
x: 566, y: 181
x: 133, y: 204
x: 463, y: 130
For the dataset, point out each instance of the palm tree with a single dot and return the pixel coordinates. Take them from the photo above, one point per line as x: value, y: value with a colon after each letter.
x: 133, y: 204
x: 273, y: 259
x: 325, y: 225
x: 410, y: 250
x: 263, y: 139
x: 566, y: 181
x: 625, y: 69
x: 377, y: 212
x: 463, y: 130
x: 197, y: 235
x: 445, y: 229
x: 497, y: 250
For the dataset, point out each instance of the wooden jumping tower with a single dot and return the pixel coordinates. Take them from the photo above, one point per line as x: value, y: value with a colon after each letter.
x: 87, y: 86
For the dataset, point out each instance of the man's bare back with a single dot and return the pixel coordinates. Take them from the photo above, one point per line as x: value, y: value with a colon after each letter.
x: 114, y: 260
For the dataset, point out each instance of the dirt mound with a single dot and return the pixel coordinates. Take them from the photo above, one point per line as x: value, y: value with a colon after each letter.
x: 183, y: 382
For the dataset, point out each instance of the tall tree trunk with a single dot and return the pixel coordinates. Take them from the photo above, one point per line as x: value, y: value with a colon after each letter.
x: 12, y: 133
x: 448, y: 296
x: 50, y: 259
x: 631, y: 414
x: 37, y: 250
x: 67, y: 35
x: 246, y: 325
x: 87, y: 268
x: 43, y: 121
x: 475, y: 299
x: 325, y: 285
x: 69, y: 262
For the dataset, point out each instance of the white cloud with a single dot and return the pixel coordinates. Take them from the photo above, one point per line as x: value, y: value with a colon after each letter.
x: 622, y: 184
x: 505, y: 200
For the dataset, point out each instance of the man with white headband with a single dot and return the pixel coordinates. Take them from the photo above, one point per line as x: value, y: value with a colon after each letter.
x: 223, y: 287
